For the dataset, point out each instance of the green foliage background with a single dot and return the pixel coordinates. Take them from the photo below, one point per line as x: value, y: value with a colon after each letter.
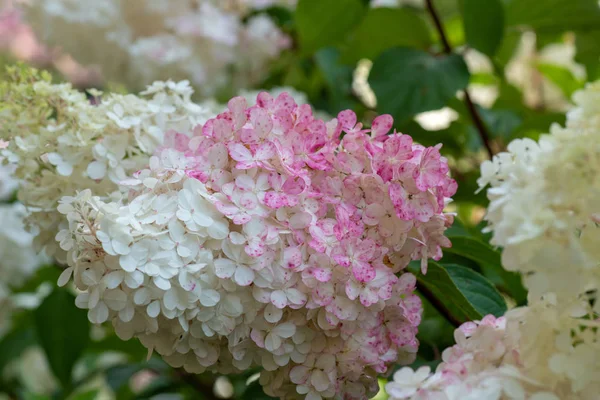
x: 418, y: 65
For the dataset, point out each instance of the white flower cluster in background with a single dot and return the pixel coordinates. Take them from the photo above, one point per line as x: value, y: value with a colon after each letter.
x: 544, y: 212
x: 215, y: 43
x: 18, y: 260
x: 544, y: 203
x: 533, y: 353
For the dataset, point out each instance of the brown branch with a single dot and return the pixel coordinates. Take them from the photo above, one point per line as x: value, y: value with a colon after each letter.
x: 477, y: 120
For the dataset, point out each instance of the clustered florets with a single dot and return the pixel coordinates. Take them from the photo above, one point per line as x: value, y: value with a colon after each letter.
x: 217, y: 44
x: 61, y: 142
x: 544, y: 212
x: 265, y: 239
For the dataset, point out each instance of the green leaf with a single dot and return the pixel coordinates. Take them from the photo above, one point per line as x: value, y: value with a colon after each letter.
x: 440, y: 284
x: 322, y: 23
x: 133, y: 348
x: 338, y: 79
x: 87, y: 395
x: 561, y: 77
x: 63, y: 332
x: 553, y: 15
x: 484, y: 24
x: 384, y: 28
x: 477, y: 289
x: 409, y: 81
x: 501, y: 123
x: 588, y: 52
x: 487, y: 257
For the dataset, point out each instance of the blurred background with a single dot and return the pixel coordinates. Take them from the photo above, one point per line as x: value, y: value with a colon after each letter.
x: 471, y: 74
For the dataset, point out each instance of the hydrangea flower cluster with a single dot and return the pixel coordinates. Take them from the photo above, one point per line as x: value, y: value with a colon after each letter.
x: 62, y: 142
x: 265, y: 239
x: 544, y: 212
x: 215, y: 43
x: 544, y: 206
x: 534, y: 353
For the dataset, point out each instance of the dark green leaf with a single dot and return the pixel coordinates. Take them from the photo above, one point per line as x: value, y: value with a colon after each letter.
x: 63, y: 332
x: 132, y: 348
x: 501, y: 123
x: 440, y: 284
x: 408, y: 81
x: 384, y: 28
x: 588, y: 52
x: 321, y: 23
x: 553, y: 15
x: 484, y: 24
x: 478, y: 290
x: 338, y: 79
x: 486, y: 256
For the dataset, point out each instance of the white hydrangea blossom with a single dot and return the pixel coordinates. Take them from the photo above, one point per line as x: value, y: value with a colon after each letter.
x: 90, y: 144
x: 534, y: 353
x: 138, y: 41
x: 544, y: 211
x: 544, y: 204
x: 18, y: 260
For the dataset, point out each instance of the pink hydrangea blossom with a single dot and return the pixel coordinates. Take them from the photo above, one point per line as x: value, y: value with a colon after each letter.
x: 304, y: 238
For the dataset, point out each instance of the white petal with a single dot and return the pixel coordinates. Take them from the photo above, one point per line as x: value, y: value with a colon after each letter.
x: 127, y: 313
x: 285, y: 330
x: 113, y: 279
x: 141, y: 296
x: 272, y: 314
x: 65, y: 276
x: 279, y: 299
x: 299, y: 374
x: 134, y: 280
x: 121, y: 247
x: 115, y: 299
x: 218, y: 230
x: 209, y: 297
x: 170, y: 300
x: 128, y: 263
x: 153, y: 309
x: 295, y: 296
x: 272, y: 342
x: 82, y: 300
x: 98, y: 314
x: 94, y: 297
x: 161, y: 283
x: 243, y: 275
x: 96, y: 170
x: 319, y: 380
x: 224, y: 268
